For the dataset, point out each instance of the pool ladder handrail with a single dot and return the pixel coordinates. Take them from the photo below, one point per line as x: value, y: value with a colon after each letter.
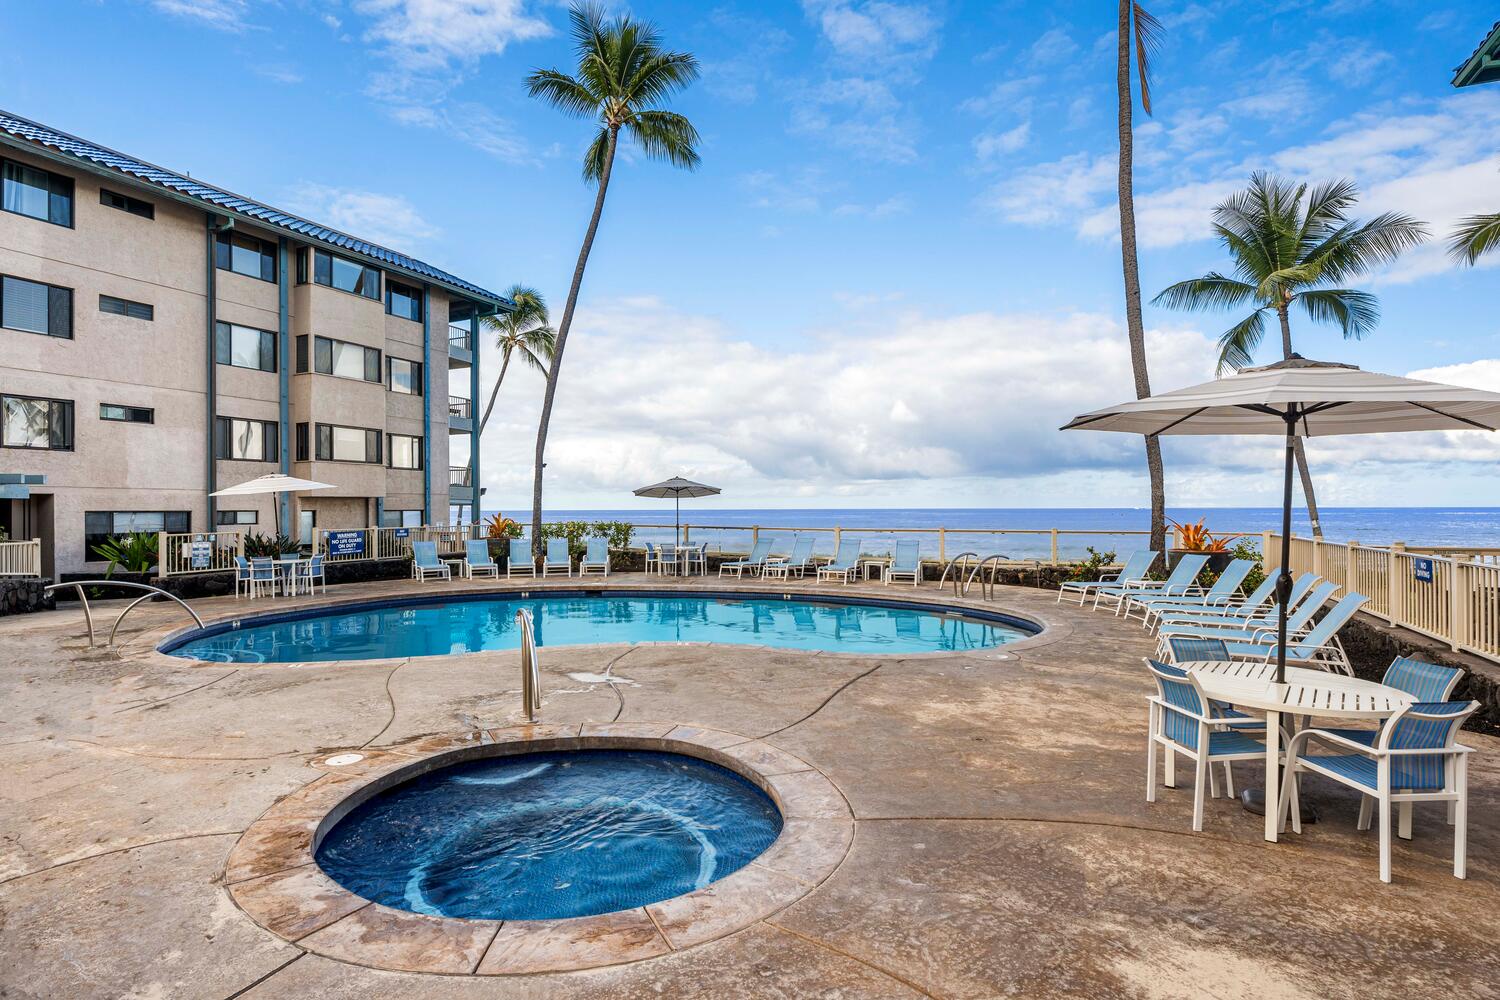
x: 958, y: 564
x: 88, y: 614
x: 531, y: 678
x: 986, y: 583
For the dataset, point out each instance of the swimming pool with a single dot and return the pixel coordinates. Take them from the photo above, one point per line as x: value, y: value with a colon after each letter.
x: 549, y: 835
x: 432, y: 626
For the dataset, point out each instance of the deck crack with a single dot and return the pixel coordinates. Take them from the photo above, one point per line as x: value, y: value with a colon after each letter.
x: 836, y: 692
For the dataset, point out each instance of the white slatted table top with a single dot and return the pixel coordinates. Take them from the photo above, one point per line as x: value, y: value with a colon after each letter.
x: 1306, y: 692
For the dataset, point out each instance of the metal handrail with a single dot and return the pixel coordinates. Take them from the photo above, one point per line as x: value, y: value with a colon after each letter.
x: 986, y: 584
x: 962, y: 557
x: 88, y: 614
x: 531, y: 679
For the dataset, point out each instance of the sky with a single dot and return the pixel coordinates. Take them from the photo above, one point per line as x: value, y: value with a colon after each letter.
x: 896, y: 272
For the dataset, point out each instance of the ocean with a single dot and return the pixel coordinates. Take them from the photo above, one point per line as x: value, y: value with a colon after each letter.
x: 1476, y: 526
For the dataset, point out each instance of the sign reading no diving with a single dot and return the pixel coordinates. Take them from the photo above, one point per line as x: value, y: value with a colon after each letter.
x: 1421, y: 570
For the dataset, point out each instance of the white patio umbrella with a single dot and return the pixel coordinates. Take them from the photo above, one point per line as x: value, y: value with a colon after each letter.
x: 677, y: 488
x: 273, y: 482
x: 1300, y: 397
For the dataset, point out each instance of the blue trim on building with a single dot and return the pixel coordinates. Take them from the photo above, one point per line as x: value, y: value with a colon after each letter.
x: 474, y: 417
x: 427, y: 404
x: 284, y: 366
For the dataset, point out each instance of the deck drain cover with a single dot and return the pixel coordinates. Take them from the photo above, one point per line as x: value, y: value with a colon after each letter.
x: 344, y: 759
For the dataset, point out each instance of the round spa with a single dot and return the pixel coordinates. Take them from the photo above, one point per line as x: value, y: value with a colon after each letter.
x: 550, y: 834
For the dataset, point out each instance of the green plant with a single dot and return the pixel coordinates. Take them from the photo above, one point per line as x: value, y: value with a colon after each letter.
x: 1196, y: 538
x: 1092, y: 567
x: 576, y: 532
x: 262, y: 546
x: 1257, y: 575
x: 524, y: 331
x: 1475, y: 236
x: 617, y: 533
x: 501, y: 528
x: 134, y: 552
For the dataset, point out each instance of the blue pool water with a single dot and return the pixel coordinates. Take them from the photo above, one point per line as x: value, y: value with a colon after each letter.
x: 461, y: 626
x: 549, y: 835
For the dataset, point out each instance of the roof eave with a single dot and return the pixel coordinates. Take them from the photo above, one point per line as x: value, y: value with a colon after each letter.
x: 1485, y: 57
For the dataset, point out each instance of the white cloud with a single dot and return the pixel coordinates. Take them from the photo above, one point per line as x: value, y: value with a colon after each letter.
x: 864, y: 30
x: 1053, y: 192
x: 991, y: 146
x: 1013, y: 94
x: 429, y: 34
x: 279, y: 73
x: 859, y: 115
x: 224, y: 15
x: 389, y: 220
x: 471, y: 123
x: 894, y: 205
x: 1053, y: 46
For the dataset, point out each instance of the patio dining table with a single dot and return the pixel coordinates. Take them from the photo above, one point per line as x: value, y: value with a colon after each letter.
x: 286, y: 572
x: 1307, y: 692
x: 681, y: 566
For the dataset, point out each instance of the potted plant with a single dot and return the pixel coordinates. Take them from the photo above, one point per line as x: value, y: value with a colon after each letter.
x: 134, y: 553
x: 263, y: 546
x: 499, y: 530
x: 1197, y: 538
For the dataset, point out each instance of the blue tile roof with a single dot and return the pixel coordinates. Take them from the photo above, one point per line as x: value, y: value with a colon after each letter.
x: 62, y: 142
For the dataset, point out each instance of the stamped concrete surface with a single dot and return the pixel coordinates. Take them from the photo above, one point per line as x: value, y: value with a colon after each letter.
x: 1001, y: 844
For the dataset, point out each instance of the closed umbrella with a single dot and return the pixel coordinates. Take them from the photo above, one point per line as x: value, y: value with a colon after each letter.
x: 677, y: 488
x: 273, y: 482
x: 1300, y: 397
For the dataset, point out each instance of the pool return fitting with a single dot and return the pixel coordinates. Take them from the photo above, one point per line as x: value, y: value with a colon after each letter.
x: 531, y: 678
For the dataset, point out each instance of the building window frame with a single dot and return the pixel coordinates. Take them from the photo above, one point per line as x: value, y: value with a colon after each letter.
x: 324, y: 350
x: 116, y: 306
x: 59, y: 190
x: 236, y: 518
x: 172, y: 522
x: 225, y: 258
x: 59, y: 429
x: 327, y: 446
x: 127, y: 203
x: 411, y: 294
x: 227, y: 434
x: 416, y: 451
x: 414, y: 374
x: 326, y: 273
x: 59, y: 308
x: 125, y: 413
x: 224, y: 352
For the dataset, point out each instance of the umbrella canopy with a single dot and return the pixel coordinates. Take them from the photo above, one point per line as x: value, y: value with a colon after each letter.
x: 677, y: 488
x: 272, y: 483
x: 1298, y: 397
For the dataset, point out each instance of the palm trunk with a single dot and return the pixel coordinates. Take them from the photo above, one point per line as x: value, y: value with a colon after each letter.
x: 1297, y: 449
x: 555, y: 368
x: 1134, y: 324
x: 504, y: 364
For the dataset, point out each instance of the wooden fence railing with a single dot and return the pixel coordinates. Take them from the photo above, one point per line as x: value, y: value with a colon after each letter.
x: 21, y: 558
x: 1453, y: 597
x: 355, y: 544
x: 186, y: 553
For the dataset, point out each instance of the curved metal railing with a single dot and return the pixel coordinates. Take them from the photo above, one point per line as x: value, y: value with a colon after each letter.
x: 531, y: 678
x: 958, y: 562
x: 986, y: 583
x: 88, y: 614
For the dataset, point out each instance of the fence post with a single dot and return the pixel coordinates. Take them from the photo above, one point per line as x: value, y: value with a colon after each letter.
x: 1317, y: 559
x: 754, y: 535
x: 942, y: 545
x: 1395, y: 595
x: 1054, y: 546
x: 687, y: 533
x: 1265, y: 551
x: 1458, y: 609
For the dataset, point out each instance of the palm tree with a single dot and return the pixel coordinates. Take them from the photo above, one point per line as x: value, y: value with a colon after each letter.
x: 623, y: 77
x: 1475, y: 236
x: 1135, y: 21
x: 526, y: 332
x: 1294, y: 246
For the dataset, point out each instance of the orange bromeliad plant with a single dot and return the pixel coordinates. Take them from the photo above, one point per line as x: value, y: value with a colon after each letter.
x: 1197, y: 538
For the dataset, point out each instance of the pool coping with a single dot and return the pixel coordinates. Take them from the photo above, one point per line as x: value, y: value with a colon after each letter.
x: 272, y: 876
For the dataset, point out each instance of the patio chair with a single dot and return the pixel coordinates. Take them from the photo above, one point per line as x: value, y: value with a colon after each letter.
x: 1422, y: 680
x: 425, y: 562
x: 694, y: 555
x: 1222, y: 591
x: 1414, y: 760
x: 1189, y: 607
x: 520, y: 560
x: 595, y: 558
x: 557, y: 557
x: 310, y: 572
x: 668, y: 559
x: 477, y: 559
x: 754, y: 562
x: 1180, y: 724
x: 1246, y: 615
x: 1318, y: 647
x: 798, y: 561
x: 1257, y: 629
x: 906, y: 562
x: 1185, y: 650
x: 651, y: 556
x: 1137, y: 564
x: 1182, y: 580
x: 845, y: 562
x: 241, y: 575
x: 262, y: 575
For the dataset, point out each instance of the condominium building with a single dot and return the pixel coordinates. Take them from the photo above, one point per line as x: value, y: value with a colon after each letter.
x: 162, y: 338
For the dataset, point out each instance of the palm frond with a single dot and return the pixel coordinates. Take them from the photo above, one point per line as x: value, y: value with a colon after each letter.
x: 598, y: 152
x: 1237, y: 344
x: 563, y: 92
x: 1356, y: 313
x: 659, y: 77
x: 1327, y: 211
x: 1212, y: 291
x: 1379, y: 241
x: 1474, y: 237
x: 1148, y: 39
x: 666, y: 135
x: 538, y: 347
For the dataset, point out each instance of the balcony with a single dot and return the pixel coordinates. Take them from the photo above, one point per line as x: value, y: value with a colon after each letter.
x: 460, y: 415
x: 460, y: 486
x: 460, y: 347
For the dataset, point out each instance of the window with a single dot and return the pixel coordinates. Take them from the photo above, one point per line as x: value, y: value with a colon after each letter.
x: 99, y: 526
x: 301, y: 442
x: 345, y: 275
x: 124, y: 307
x: 246, y: 254
x: 302, y: 355
x: 400, y: 518
x: 403, y: 301
x: 127, y: 414
x: 244, y: 347
x: 36, y: 308
x: 27, y: 422
x: 348, y: 444
x: 335, y: 357
x: 404, y: 376
x: 245, y: 440
x: 38, y: 193
x: 233, y: 517
x: 405, y: 451
x: 125, y: 203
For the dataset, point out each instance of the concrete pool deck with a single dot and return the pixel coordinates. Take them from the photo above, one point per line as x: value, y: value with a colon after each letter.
x: 1001, y: 841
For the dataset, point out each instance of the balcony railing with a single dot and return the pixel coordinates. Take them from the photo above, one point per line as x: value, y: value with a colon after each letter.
x: 21, y: 558
x: 460, y: 339
x: 458, y: 475
x: 458, y: 406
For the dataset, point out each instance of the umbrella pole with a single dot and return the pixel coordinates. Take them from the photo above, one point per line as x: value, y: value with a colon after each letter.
x: 1284, y: 580
x: 677, y: 521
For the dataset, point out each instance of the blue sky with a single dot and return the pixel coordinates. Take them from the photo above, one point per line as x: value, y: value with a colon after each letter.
x: 897, y: 271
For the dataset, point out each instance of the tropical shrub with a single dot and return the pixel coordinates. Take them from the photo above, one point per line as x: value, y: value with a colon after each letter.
x: 617, y: 533
x: 501, y: 528
x: 1197, y: 538
x: 1092, y: 567
x: 262, y: 546
x: 576, y: 532
x: 1257, y: 574
x: 134, y: 552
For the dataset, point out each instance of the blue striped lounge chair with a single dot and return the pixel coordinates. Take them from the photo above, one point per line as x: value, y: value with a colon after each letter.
x: 1319, y: 647
x: 1181, y: 723
x: 1137, y: 565
x: 845, y: 562
x: 425, y: 562
x: 1422, y: 680
x: 521, y: 560
x: 595, y: 557
x: 557, y: 557
x: 1220, y: 594
x: 1182, y: 580
x: 906, y: 562
x: 754, y: 562
x: 1258, y: 629
x: 1415, y: 759
x: 1250, y: 607
x: 477, y: 559
x: 1259, y: 605
x: 801, y: 559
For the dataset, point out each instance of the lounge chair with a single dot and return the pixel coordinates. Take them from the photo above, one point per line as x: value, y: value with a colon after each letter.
x: 1319, y: 647
x: 907, y: 562
x: 1182, y: 580
x: 754, y: 562
x: 1297, y: 620
x: 557, y: 557
x: 845, y: 562
x: 1244, y: 615
x: 1422, y: 680
x: 1415, y: 759
x: 477, y: 559
x: 521, y: 560
x: 1137, y: 564
x: 1180, y: 723
x: 596, y: 558
x: 1188, y: 607
x: 425, y: 562
x: 800, y: 560
x: 1222, y: 591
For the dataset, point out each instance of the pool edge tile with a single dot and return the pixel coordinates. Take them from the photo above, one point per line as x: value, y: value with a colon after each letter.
x: 523, y: 947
